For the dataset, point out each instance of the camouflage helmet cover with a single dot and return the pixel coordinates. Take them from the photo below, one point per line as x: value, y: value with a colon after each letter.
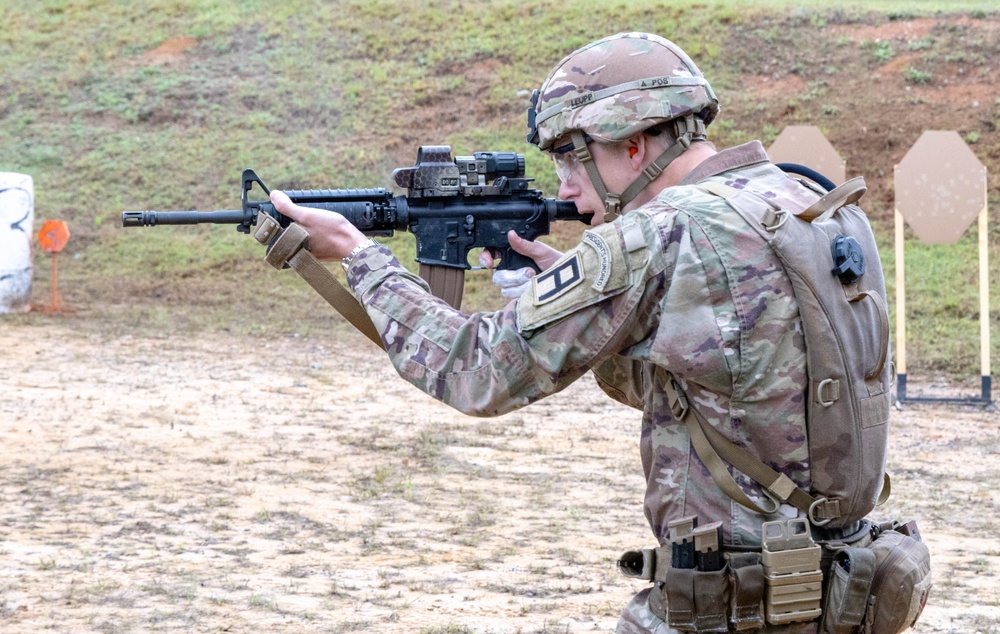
x: 617, y: 87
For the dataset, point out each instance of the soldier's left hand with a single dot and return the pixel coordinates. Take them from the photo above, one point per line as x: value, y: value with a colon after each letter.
x: 331, y: 235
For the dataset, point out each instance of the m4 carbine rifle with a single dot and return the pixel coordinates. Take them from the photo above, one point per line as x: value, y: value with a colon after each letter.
x: 451, y: 207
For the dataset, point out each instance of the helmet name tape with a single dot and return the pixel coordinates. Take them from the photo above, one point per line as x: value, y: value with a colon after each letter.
x: 597, y: 95
x: 576, y: 102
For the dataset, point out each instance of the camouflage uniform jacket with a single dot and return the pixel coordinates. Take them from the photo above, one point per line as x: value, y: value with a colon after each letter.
x: 680, y: 285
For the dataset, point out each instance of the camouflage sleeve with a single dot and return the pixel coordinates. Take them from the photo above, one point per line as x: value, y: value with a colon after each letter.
x: 580, y: 311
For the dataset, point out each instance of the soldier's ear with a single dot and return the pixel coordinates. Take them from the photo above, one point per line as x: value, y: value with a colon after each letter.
x: 638, y: 147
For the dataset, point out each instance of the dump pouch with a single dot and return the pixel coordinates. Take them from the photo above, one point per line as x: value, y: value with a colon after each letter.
x: 900, y: 585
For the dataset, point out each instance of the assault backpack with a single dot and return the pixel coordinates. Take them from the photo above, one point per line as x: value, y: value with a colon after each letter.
x: 830, y: 255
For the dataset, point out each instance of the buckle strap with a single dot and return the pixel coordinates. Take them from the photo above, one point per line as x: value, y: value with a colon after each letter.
x: 288, y: 248
x: 652, y: 170
x: 676, y: 398
x: 612, y: 207
x: 288, y: 243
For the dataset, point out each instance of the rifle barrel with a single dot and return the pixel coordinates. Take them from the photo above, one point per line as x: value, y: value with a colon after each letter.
x: 153, y: 218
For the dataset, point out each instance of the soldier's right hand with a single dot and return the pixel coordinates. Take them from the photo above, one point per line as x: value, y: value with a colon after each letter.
x: 513, y: 283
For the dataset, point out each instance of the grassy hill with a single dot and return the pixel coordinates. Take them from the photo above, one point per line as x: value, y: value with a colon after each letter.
x: 159, y: 105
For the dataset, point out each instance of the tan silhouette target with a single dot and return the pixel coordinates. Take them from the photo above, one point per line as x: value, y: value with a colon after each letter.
x: 806, y: 145
x: 940, y: 187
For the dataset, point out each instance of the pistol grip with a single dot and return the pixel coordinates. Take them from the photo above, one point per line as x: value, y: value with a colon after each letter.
x: 511, y: 260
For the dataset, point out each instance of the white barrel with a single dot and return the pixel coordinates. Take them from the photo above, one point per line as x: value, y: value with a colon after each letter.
x: 17, y: 219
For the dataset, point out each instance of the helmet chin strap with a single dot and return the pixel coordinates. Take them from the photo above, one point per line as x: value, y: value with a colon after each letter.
x: 686, y: 130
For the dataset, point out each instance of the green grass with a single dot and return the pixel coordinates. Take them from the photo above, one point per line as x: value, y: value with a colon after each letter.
x: 159, y: 105
x: 942, y: 295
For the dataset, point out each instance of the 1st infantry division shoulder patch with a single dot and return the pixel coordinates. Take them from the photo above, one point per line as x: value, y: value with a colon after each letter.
x: 555, y: 282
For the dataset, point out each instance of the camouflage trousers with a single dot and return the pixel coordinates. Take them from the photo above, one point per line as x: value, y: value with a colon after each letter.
x: 637, y: 618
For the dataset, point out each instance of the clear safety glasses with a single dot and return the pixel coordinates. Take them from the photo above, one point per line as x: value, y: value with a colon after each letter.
x: 565, y: 159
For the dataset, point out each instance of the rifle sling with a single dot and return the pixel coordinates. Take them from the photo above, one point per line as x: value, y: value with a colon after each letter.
x: 288, y: 249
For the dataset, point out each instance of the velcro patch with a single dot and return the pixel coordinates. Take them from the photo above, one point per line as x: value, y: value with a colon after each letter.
x: 632, y: 235
x: 554, y: 283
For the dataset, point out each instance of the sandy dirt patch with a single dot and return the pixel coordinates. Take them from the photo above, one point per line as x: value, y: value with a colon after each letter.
x: 220, y: 484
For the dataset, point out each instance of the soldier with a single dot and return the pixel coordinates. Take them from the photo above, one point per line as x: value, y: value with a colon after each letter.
x: 669, y: 280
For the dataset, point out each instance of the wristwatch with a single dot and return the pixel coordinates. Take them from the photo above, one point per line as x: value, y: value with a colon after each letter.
x: 346, y: 262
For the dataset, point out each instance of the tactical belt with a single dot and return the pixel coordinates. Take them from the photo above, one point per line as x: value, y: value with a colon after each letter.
x: 739, y: 588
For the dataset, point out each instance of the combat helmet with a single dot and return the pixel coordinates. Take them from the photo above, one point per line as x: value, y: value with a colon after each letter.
x: 613, y: 89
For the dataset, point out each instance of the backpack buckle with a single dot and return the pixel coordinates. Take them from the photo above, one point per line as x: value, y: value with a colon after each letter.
x: 827, y: 392
x: 774, y: 220
x: 678, y: 400
x: 813, y: 513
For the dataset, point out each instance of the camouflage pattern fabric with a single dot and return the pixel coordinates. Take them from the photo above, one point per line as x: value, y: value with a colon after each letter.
x: 680, y: 284
x: 588, y: 89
